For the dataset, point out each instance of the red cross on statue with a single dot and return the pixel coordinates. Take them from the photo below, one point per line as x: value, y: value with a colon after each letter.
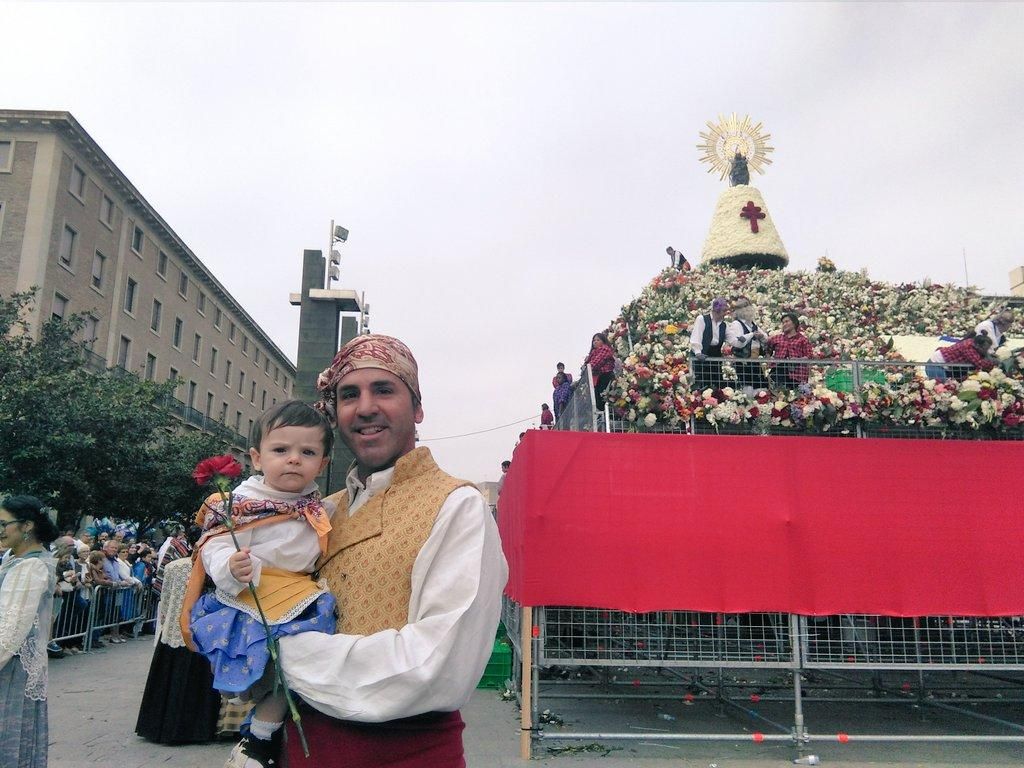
x: 752, y: 212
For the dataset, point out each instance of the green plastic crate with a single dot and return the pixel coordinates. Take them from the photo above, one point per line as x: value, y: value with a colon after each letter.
x: 842, y: 380
x: 499, y: 668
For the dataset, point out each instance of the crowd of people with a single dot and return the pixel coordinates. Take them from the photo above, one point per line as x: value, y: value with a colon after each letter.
x: 130, y: 570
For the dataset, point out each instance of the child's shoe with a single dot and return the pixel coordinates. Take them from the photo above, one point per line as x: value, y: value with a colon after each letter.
x: 251, y: 752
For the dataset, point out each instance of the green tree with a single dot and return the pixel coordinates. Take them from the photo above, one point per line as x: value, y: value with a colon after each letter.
x: 87, y: 442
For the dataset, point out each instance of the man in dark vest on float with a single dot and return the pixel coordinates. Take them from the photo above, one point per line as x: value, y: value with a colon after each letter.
x: 706, y: 340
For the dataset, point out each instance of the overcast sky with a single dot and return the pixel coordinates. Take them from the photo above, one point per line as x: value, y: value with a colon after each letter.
x: 511, y: 174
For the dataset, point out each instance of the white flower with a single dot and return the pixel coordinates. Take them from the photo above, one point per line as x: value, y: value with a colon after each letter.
x: 650, y: 420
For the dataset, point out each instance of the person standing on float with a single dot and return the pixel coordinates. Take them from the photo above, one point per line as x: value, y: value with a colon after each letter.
x: 415, y: 562
x: 706, y: 340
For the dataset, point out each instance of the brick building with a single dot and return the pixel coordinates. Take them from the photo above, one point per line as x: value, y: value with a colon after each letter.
x: 73, y: 226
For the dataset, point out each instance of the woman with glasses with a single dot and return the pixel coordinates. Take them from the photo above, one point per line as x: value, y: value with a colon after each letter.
x: 28, y: 576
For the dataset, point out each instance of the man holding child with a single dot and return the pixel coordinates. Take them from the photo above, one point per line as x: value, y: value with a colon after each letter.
x: 414, y: 561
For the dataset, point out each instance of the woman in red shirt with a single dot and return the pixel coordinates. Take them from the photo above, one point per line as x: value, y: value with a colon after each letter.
x: 970, y: 351
x: 601, y: 360
x: 790, y: 344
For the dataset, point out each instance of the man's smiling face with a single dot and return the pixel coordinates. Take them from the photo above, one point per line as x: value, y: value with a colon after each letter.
x: 376, y: 418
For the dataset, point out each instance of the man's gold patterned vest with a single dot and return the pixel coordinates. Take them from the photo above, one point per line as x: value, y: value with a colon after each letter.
x: 368, y: 565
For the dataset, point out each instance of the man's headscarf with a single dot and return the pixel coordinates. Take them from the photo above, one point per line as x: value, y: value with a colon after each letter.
x: 373, y: 350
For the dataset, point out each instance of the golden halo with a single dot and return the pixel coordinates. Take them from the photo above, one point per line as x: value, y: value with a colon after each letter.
x: 732, y: 135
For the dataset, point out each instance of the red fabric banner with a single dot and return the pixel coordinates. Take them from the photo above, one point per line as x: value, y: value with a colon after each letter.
x: 808, y: 525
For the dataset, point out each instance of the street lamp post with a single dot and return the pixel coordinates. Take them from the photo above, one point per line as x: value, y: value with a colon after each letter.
x: 323, y: 329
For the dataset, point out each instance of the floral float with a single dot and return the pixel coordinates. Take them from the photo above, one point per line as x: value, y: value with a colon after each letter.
x: 846, y: 316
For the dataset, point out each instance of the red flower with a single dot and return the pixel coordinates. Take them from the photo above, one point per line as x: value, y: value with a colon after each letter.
x: 222, y: 466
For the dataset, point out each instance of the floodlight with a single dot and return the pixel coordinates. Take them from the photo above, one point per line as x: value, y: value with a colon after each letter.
x: 340, y: 234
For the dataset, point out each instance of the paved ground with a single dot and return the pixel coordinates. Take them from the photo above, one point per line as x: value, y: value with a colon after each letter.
x: 94, y: 700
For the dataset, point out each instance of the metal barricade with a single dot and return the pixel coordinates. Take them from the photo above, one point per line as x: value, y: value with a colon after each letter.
x: 113, y: 607
x: 590, y: 637
x: 147, y: 611
x: 88, y: 611
x: 72, y: 612
x: 589, y: 654
x: 920, y: 643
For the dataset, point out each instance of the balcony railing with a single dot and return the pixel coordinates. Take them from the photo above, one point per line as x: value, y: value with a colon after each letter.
x: 842, y: 398
x: 97, y: 364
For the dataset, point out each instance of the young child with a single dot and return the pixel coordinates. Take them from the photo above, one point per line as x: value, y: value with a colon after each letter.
x: 547, y: 419
x: 281, y: 527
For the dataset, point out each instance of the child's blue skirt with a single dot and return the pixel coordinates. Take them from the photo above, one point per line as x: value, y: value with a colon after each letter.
x: 235, y: 642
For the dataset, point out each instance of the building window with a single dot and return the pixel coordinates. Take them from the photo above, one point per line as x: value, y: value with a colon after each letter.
x: 124, y: 350
x: 137, y: 238
x: 131, y: 288
x: 107, y: 211
x: 154, y: 322
x: 150, y: 366
x: 201, y: 303
x: 179, y: 325
x: 60, y: 307
x: 183, y: 284
x: 231, y: 332
x: 213, y: 359
x: 161, y: 264
x: 89, y: 331
x: 191, y: 403
x: 227, y: 372
x: 77, y: 187
x: 241, y: 382
x: 238, y: 420
x: 264, y: 405
x: 173, y: 376
x: 6, y: 156
x: 223, y: 413
x: 98, y: 262
x: 217, y: 315
x: 266, y: 366
x: 67, y: 245
x: 277, y: 373
x: 248, y: 435
x: 252, y: 394
x: 245, y: 345
x: 256, y: 356
x: 197, y: 347
x: 209, y: 405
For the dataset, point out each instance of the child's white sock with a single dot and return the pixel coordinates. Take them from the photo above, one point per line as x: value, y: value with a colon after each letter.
x: 261, y: 729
